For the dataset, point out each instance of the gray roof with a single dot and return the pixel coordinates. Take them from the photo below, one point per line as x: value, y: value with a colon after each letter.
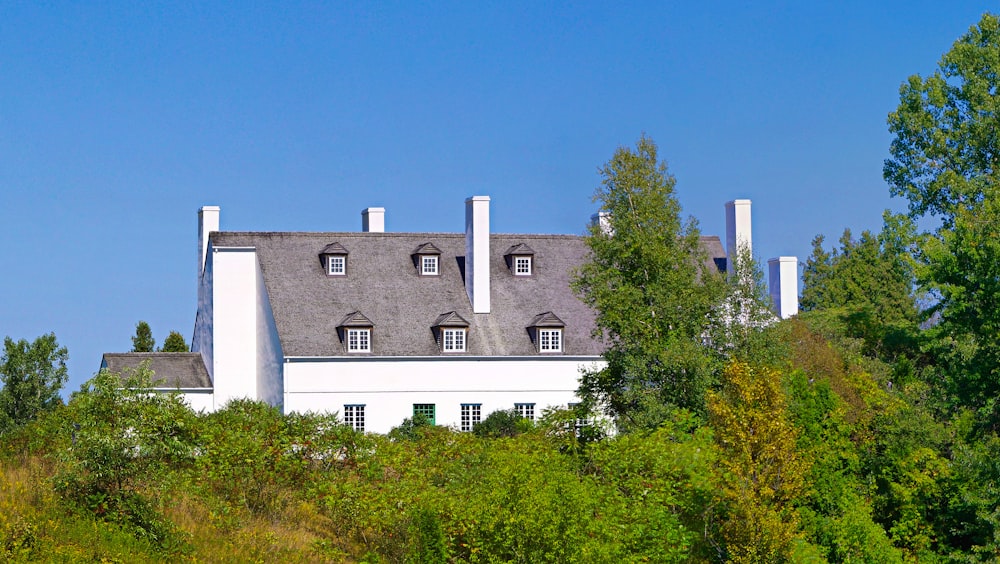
x: 403, y: 307
x: 170, y: 369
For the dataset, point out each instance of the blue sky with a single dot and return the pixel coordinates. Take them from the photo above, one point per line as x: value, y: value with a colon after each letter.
x: 119, y: 120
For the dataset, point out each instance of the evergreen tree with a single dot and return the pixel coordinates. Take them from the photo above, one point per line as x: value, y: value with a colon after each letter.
x: 174, y: 343
x: 143, y: 340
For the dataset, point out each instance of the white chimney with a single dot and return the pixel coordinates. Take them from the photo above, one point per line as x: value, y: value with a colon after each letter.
x: 783, y: 280
x: 373, y: 220
x: 208, y: 221
x: 603, y: 220
x: 737, y: 230
x: 477, y: 252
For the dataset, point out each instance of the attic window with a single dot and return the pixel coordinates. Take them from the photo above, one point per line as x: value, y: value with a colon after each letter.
x: 334, y: 259
x: 546, y: 329
x: 451, y: 332
x: 427, y: 259
x: 520, y: 259
x: 355, y: 332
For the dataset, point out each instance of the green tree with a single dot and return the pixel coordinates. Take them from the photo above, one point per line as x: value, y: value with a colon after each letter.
x: 945, y: 161
x: 760, y: 469
x: 649, y: 282
x: 143, y: 340
x: 868, y: 285
x: 32, y: 375
x: 174, y: 343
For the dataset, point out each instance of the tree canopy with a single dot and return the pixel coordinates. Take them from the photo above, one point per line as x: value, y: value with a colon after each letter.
x: 143, y: 340
x: 649, y: 284
x: 32, y: 375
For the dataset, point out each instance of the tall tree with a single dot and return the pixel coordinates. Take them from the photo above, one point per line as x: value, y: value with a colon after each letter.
x: 653, y: 290
x: 945, y: 159
x: 143, y: 340
x: 174, y: 343
x: 32, y: 375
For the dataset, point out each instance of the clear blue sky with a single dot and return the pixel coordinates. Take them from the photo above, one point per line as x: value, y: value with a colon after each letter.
x: 119, y: 120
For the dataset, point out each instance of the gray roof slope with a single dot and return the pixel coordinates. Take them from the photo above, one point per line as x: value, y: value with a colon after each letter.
x: 170, y: 370
x: 383, y: 284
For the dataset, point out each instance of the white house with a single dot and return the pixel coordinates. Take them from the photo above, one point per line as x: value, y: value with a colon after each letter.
x: 379, y: 326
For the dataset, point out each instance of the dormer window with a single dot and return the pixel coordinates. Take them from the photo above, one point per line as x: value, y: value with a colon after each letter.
x: 428, y: 265
x: 522, y: 266
x: 355, y: 332
x: 334, y: 259
x: 519, y: 260
x: 336, y: 265
x: 451, y: 332
x: 546, y: 330
x: 427, y: 259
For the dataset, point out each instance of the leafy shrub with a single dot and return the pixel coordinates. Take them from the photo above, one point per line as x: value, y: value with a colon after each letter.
x: 502, y: 423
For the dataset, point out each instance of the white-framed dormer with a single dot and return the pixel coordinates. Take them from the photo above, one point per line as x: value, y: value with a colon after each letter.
x: 427, y: 259
x: 547, y: 332
x: 355, y: 332
x: 334, y: 259
x: 520, y: 260
x: 451, y: 332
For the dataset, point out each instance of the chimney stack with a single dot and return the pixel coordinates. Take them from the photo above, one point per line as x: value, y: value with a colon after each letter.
x: 783, y: 280
x: 602, y: 220
x: 373, y: 220
x: 208, y: 221
x: 737, y: 230
x: 477, y: 252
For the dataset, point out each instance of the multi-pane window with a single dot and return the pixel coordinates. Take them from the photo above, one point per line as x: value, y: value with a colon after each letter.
x: 522, y: 266
x: 550, y: 340
x: 471, y: 414
x: 336, y: 265
x: 525, y: 410
x: 425, y: 409
x: 359, y: 340
x: 354, y: 416
x: 428, y: 265
x: 453, y: 340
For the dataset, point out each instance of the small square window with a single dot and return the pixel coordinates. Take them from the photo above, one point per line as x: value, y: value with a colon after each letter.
x: 425, y: 409
x: 428, y: 265
x: 471, y: 414
x: 336, y: 265
x: 522, y: 266
x: 359, y: 340
x: 525, y: 410
x: 354, y: 417
x: 453, y: 340
x: 550, y: 340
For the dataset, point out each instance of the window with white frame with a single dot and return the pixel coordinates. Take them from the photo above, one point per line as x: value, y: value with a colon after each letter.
x: 354, y: 417
x: 550, y: 340
x: 525, y: 410
x: 359, y: 340
x: 522, y: 266
x: 336, y: 265
x: 453, y: 340
x: 429, y: 265
x: 471, y: 414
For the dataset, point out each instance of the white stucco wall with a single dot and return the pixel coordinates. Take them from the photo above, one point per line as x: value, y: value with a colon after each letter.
x: 269, y: 358
x: 389, y: 387
x: 234, y: 334
x: 199, y: 400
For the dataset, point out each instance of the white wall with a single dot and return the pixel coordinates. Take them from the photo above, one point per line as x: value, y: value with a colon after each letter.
x: 269, y: 356
x: 389, y: 387
x: 199, y: 400
x: 234, y: 335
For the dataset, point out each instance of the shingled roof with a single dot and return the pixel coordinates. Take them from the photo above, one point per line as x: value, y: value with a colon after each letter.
x: 403, y: 306
x: 171, y: 370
